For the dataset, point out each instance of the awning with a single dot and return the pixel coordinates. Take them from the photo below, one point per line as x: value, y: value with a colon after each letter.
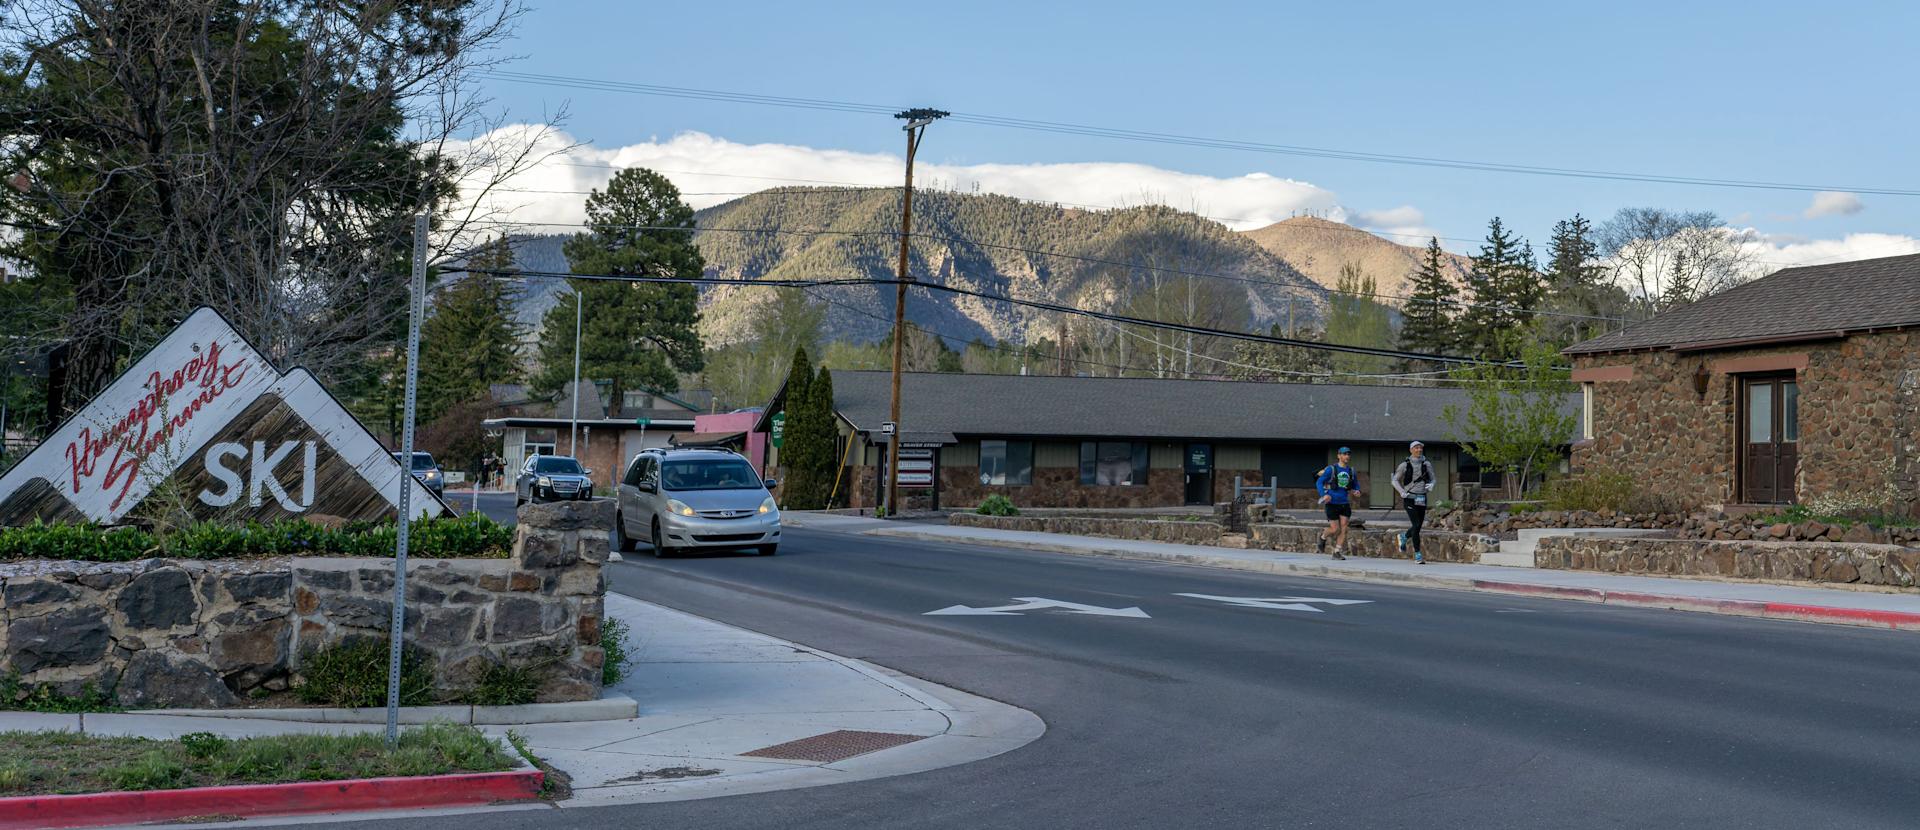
x: 707, y: 439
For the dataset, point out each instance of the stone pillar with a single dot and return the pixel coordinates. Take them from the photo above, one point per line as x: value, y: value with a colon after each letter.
x: 566, y: 545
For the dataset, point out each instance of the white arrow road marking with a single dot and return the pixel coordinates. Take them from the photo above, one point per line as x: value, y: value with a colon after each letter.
x: 1038, y: 604
x: 1278, y: 603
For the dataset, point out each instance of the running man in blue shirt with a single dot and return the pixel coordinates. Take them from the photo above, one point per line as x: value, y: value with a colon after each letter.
x: 1338, y: 486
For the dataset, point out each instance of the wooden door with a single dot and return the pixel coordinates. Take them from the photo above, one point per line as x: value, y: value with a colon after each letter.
x: 1769, y: 439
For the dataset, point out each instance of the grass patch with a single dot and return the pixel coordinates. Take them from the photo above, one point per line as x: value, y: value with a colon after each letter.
x: 471, y: 536
x: 17, y: 695
x: 556, y: 785
x: 51, y: 763
x: 353, y: 673
x: 613, y: 640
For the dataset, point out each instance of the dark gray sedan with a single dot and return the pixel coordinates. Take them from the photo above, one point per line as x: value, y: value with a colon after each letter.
x: 552, y: 478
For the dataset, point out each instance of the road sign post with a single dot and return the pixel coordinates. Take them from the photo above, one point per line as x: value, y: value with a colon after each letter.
x: 416, y: 308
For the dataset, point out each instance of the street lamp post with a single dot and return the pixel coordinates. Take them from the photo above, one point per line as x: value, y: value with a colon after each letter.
x: 917, y: 120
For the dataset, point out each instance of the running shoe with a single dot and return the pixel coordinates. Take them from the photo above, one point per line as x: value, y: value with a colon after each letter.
x: 1323, y: 544
x: 1403, y: 543
x: 1338, y: 555
x: 1419, y: 558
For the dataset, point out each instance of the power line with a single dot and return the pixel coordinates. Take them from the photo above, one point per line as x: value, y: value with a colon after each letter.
x: 1147, y: 136
x: 982, y: 295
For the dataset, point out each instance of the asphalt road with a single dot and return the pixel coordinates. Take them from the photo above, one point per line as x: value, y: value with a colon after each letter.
x: 1417, y: 708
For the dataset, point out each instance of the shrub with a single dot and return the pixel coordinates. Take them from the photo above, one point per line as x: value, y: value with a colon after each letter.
x: 1588, y: 491
x: 353, y: 673
x: 613, y: 640
x: 472, y: 535
x: 504, y: 684
x: 998, y: 505
x: 30, y: 697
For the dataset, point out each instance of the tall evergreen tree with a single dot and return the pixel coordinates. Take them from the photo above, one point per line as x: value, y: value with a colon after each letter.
x: 1354, y: 319
x: 1681, y: 288
x: 818, y: 428
x: 794, y: 451
x: 1427, y: 320
x: 1576, y: 282
x: 470, y: 340
x: 634, y: 335
x: 1504, y: 288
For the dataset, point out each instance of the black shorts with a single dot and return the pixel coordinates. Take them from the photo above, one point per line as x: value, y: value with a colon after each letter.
x: 1335, y: 511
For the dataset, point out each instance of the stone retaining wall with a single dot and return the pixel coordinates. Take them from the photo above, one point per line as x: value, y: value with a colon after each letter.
x: 1185, y: 533
x: 1856, y: 564
x: 1440, y: 546
x: 162, y: 632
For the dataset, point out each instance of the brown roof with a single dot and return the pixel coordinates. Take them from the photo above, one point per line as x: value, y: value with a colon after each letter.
x: 1808, y: 302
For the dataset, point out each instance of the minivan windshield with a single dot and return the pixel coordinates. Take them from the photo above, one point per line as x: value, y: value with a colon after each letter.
x: 708, y: 474
x: 556, y: 464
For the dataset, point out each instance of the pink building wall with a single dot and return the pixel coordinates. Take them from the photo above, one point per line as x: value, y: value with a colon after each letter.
x: 738, y: 422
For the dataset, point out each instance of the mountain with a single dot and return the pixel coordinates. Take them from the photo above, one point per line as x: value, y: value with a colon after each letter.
x: 1318, y: 248
x: 1124, y: 260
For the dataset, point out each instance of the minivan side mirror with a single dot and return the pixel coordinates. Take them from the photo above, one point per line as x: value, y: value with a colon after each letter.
x: 646, y: 487
x: 772, y: 483
x: 588, y: 472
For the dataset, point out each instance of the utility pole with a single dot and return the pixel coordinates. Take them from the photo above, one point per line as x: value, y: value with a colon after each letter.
x: 1062, y: 345
x: 573, y: 424
x: 917, y: 120
x: 416, y: 309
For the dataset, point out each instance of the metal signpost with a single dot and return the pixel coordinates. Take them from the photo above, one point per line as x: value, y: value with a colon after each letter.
x: 416, y: 300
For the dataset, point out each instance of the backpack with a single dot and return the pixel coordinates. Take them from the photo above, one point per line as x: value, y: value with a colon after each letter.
x: 1426, y: 473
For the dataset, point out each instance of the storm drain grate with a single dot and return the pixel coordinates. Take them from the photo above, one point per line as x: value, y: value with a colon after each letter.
x: 837, y: 745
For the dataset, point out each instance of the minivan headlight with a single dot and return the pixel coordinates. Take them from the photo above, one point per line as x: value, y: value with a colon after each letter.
x: 679, y: 507
x: 768, y: 506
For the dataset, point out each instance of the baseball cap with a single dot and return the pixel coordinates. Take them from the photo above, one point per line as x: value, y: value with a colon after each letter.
x: 1345, y: 451
x: 1415, y: 444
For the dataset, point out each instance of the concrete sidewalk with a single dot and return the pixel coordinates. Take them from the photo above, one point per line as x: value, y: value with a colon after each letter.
x: 1754, y: 599
x: 709, y: 695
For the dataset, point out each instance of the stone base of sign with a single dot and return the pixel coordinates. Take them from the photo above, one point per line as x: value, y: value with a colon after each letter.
x: 162, y: 632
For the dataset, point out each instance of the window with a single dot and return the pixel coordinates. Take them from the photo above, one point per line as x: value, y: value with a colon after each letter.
x: 1006, y: 463
x: 637, y: 471
x: 1113, y: 463
x: 555, y: 465
x: 633, y: 401
x: 538, y: 442
x: 1586, y: 410
x: 1789, y: 411
x: 681, y: 475
x: 1294, y: 465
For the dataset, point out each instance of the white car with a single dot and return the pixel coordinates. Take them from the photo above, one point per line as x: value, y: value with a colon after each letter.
x: 691, y: 498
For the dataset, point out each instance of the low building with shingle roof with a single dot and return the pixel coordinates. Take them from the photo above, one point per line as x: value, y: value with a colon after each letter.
x: 1803, y: 384
x: 1053, y: 441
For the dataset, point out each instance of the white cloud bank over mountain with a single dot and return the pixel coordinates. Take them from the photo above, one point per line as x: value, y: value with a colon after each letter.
x: 711, y: 170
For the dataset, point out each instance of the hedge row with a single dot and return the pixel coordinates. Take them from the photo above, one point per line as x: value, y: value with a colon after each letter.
x: 471, y: 536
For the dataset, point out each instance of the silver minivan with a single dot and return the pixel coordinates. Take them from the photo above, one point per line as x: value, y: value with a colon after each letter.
x: 696, y: 498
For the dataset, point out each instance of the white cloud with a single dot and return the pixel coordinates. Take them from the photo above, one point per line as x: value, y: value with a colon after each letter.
x: 712, y: 170
x: 1780, y: 251
x: 1405, y: 224
x: 1831, y: 203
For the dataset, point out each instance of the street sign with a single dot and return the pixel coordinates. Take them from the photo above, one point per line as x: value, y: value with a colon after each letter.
x: 886, y: 428
x: 644, y: 422
x: 916, y: 479
x: 1278, y: 603
x: 1025, y: 604
x: 779, y: 428
x: 915, y: 453
x: 907, y: 467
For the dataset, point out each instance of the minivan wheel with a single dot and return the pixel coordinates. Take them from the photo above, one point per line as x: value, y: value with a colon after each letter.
x: 620, y: 536
x: 660, y: 542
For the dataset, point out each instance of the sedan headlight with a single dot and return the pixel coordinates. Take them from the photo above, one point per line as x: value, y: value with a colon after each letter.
x: 433, y: 474
x: 768, y: 506
x: 546, y: 481
x: 679, y: 507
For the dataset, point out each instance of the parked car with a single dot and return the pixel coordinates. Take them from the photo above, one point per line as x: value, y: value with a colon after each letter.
x: 681, y: 499
x: 427, y: 471
x: 552, y: 478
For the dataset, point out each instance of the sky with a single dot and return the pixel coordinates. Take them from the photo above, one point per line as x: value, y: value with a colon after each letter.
x: 1823, y: 96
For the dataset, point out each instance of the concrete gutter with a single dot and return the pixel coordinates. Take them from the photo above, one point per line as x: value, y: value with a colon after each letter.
x: 610, y: 707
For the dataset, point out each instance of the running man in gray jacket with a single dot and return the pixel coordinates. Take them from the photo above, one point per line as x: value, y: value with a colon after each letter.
x: 1413, y: 480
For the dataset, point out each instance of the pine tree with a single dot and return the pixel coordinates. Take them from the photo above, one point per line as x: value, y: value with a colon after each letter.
x: 820, y: 430
x: 633, y: 335
x: 1575, y: 281
x: 1680, y: 288
x: 1355, y: 319
x: 1427, y: 320
x: 470, y: 341
x: 797, y: 489
x: 1504, y: 286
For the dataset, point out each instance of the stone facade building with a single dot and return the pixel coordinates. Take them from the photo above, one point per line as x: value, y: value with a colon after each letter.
x: 1801, y: 386
x: 1048, y: 441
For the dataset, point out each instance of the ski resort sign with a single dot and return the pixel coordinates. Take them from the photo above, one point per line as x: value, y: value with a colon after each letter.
x: 207, y: 424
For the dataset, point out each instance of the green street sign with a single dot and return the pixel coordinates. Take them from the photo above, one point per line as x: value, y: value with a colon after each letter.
x: 779, y: 428
x: 643, y: 421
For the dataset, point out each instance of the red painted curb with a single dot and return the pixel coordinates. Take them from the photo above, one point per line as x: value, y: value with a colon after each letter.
x: 1899, y: 620
x: 98, y: 809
